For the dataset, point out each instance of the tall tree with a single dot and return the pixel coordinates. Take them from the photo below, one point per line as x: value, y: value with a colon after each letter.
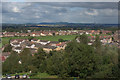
x: 11, y: 65
x: 39, y: 58
x: 26, y: 59
x: 97, y: 45
x: 83, y: 39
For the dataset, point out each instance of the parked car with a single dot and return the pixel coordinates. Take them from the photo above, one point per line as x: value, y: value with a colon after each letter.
x: 24, y: 76
x: 8, y: 76
x: 17, y: 76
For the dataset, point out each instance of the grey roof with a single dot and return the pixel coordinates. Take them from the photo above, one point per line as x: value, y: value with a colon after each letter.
x: 34, y: 39
x: 43, y: 40
x: 16, y: 43
x: 18, y: 48
x: 5, y: 53
x: 27, y: 43
x: 50, y: 47
x: 54, y: 42
x: 39, y: 45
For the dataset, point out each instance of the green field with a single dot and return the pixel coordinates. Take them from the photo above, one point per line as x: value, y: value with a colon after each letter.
x: 42, y: 75
x: 5, y: 40
x: 35, y: 75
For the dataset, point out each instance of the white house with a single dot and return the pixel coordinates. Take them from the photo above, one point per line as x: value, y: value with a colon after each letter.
x: 17, y: 49
x: 44, y: 42
x: 16, y: 44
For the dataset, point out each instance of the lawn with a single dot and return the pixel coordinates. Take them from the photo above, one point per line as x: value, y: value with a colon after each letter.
x: 55, y: 38
x: 5, y: 40
x: 42, y: 75
x: 35, y: 75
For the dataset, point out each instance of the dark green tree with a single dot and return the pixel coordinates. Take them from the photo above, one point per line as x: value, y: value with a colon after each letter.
x: 97, y: 45
x: 8, y: 48
x: 83, y: 39
x: 38, y: 59
x: 26, y: 59
x: 61, y: 40
x: 11, y: 65
x: 30, y: 38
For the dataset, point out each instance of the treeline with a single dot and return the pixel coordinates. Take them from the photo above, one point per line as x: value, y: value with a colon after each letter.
x: 33, y: 27
x: 77, y: 60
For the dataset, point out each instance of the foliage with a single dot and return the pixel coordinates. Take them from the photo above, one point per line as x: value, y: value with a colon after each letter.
x: 61, y: 40
x: 83, y: 39
x: 30, y: 38
x: 77, y: 60
x: 8, y: 48
x: 26, y: 59
x: 38, y: 59
x: 11, y: 65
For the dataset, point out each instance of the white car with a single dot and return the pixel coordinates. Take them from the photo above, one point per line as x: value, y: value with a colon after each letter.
x: 24, y: 76
x: 8, y: 77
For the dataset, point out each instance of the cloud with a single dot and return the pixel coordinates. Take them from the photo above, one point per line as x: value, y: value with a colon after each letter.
x: 32, y: 12
x: 93, y: 5
x: 60, y: 0
x: 15, y: 9
x: 91, y: 12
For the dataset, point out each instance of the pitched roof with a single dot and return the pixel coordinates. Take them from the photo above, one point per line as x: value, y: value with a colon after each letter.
x: 5, y: 53
x: 18, y: 48
x: 39, y: 45
x: 43, y: 40
x: 54, y: 42
x: 50, y: 47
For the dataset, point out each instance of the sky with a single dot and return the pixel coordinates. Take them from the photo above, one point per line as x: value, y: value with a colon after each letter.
x: 60, y: 0
x: 72, y: 12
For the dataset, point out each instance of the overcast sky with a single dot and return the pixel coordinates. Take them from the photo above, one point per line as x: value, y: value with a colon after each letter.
x: 73, y: 12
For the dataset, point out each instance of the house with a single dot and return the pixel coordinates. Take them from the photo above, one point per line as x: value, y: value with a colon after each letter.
x: 54, y: 43
x: 44, y: 42
x: 9, y: 34
x: 45, y: 33
x: 49, y: 48
x: 38, y: 45
x: 32, y: 50
x: 18, y: 40
x: 61, y: 46
x: 5, y: 55
x: 35, y: 34
x: 21, y: 34
x: 15, y: 44
x: 35, y: 40
x: 90, y: 43
x: 28, y: 44
x: 3, y: 58
x: 17, y: 49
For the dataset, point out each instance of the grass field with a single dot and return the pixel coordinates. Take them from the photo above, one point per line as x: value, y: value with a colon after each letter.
x: 5, y: 40
x: 42, y: 75
x: 35, y: 76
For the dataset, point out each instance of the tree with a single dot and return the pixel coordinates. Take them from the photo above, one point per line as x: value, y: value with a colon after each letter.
x: 100, y: 32
x: 53, y: 34
x: 81, y: 60
x: 8, y: 48
x: 30, y: 38
x: 39, y: 58
x: 78, y: 60
x: 26, y: 59
x: 97, y: 45
x: 11, y: 64
x: 60, y: 40
x: 83, y: 39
